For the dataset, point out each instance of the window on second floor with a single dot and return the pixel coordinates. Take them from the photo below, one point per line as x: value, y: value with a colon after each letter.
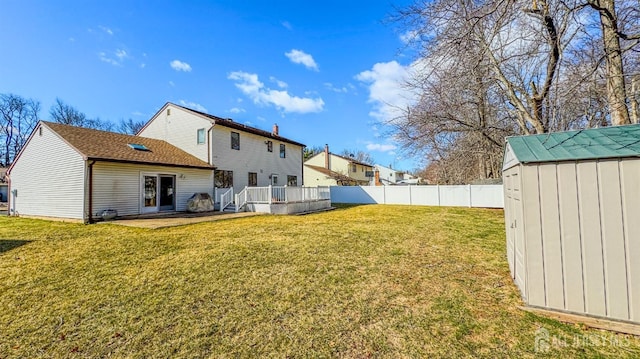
x: 354, y: 168
x: 201, y: 137
x: 235, y: 141
x: 283, y: 149
x: 270, y: 146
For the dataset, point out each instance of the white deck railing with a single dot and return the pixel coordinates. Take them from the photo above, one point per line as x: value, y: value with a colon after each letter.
x: 226, y: 198
x: 281, y: 194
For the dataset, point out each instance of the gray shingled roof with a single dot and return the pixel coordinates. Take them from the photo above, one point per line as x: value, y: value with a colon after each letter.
x: 238, y: 126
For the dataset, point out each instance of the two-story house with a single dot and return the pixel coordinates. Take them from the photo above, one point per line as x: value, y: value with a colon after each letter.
x: 329, y: 169
x: 78, y: 173
x: 243, y: 155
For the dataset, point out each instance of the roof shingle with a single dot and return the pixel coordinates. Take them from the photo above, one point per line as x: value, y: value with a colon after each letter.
x: 595, y: 143
x: 335, y: 175
x: 111, y: 146
x: 238, y: 126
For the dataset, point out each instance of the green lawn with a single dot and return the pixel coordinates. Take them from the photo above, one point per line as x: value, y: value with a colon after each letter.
x: 361, y: 281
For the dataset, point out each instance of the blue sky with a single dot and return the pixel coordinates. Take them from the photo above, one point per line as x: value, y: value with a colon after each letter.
x: 324, y: 71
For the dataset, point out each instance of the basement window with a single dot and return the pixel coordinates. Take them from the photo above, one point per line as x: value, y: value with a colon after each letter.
x: 138, y: 147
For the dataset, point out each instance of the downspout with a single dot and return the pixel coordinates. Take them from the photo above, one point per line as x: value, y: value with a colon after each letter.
x: 90, y: 199
x: 209, y: 157
x: 302, y: 166
x: 9, y: 213
x: 209, y: 147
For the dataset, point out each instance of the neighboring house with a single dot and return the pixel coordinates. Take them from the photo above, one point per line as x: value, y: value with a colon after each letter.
x: 77, y: 173
x: 386, y: 176
x: 329, y: 169
x: 243, y: 155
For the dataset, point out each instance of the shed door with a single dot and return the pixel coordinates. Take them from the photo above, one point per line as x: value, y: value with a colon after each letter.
x: 514, y: 228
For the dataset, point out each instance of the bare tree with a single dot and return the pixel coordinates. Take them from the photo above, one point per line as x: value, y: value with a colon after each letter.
x: 60, y: 112
x: 614, y: 31
x: 312, y: 151
x: 18, y: 119
x: 130, y: 127
x: 358, y: 155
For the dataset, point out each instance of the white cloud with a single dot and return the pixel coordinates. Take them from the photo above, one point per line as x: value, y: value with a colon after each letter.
x: 105, y: 58
x: 171, y: 84
x: 330, y: 86
x: 251, y: 86
x: 180, y: 66
x: 409, y: 36
x: 287, y: 25
x: 280, y: 84
x: 381, y: 147
x: 121, y: 54
x: 193, y: 105
x: 386, y: 91
x: 237, y: 110
x: 106, y: 30
x: 143, y: 65
x: 137, y: 113
x: 300, y: 57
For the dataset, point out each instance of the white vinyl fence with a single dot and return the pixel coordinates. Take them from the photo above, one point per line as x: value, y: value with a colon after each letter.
x: 486, y: 196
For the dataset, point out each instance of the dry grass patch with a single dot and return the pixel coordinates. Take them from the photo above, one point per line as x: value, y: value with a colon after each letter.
x: 364, y: 281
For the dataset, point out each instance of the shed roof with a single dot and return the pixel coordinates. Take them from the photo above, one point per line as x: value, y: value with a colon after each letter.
x: 110, y: 146
x: 596, y: 143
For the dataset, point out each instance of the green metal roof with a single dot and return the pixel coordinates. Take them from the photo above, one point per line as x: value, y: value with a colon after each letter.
x: 606, y: 142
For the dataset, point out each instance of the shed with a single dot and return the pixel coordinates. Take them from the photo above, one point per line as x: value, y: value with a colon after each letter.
x: 572, y: 216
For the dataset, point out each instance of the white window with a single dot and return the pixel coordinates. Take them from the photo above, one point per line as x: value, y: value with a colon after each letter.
x: 201, y: 138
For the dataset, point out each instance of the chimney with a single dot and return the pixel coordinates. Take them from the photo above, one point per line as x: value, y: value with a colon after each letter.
x: 377, y: 178
x: 326, y: 156
x: 274, y: 131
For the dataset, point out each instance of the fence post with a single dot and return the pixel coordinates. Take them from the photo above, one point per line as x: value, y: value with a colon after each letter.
x: 470, y: 203
x: 270, y: 194
x: 410, y: 200
x: 384, y: 194
x: 438, y: 188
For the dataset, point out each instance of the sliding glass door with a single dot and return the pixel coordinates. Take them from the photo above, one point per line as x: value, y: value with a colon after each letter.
x: 158, y: 193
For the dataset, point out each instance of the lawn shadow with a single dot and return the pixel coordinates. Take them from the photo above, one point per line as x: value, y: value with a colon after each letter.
x: 9, y: 244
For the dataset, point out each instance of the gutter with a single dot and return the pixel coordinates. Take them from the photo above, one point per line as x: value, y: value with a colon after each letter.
x: 209, y: 147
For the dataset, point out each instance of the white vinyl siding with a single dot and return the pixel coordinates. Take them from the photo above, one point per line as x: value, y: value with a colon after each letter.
x: 179, y: 129
x: 253, y: 157
x: 336, y: 164
x: 314, y: 178
x: 49, y: 177
x: 117, y: 186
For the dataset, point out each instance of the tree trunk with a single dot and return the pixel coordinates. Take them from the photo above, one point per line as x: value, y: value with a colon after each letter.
x: 635, y: 91
x: 616, y: 92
